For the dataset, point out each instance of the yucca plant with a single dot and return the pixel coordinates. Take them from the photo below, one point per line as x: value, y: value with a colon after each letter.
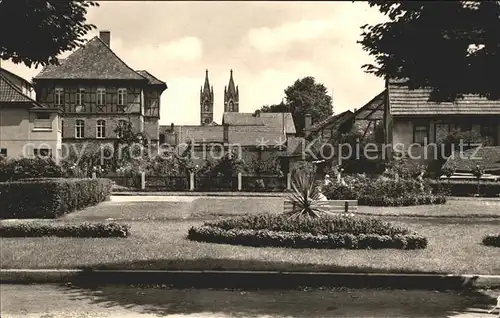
x: 305, y: 197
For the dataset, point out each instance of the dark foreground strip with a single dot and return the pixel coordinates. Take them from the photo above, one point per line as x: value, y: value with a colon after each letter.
x: 249, y: 280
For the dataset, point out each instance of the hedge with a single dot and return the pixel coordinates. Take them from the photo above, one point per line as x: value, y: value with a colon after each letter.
x: 466, y: 187
x: 330, y: 232
x: 64, y: 230
x: 50, y: 198
x: 404, y: 192
x: 492, y: 240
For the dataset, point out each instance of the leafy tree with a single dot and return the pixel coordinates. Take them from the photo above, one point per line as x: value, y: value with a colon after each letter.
x: 37, y: 31
x: 303, y: 97
x: 129, y: 144
x: 450, y: 46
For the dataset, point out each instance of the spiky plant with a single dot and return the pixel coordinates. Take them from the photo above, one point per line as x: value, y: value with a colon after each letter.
x: 305, y: 196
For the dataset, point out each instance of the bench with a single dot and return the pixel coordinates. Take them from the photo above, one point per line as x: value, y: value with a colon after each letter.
x: 332, y: 206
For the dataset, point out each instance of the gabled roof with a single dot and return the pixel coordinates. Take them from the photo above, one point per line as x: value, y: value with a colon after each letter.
x: 199, y: 134
x: 152, y: 79
x: 241, y: 119
x: 16, y: 76
x: 414, y: 102
x: 373, y: 110
x: 487, y: 157
x: 9, y: 93
x: 94, y: 60
x: 277, y: 120
x: 337, y: 119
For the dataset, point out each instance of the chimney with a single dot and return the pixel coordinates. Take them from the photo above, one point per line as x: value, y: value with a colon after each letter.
x: 105, y: 36
x: 307, y: 122
x: 172, y: 127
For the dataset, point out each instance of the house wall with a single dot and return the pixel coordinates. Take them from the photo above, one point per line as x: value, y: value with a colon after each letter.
x: 403, y: 130
x: 143, y: 106
x: 21, y: 132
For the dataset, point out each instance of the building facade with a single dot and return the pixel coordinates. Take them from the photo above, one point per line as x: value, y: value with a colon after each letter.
x: 27, y: 128
x: 96, y: 91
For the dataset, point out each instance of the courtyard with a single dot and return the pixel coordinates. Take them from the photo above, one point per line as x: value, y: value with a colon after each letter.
x: 159, y: 226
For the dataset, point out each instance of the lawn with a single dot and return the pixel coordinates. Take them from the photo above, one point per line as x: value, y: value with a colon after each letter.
x: 159, y: 229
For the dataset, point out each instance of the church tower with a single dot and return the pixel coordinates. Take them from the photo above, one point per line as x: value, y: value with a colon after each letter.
x: 231, y: 96
x: 206, y: 102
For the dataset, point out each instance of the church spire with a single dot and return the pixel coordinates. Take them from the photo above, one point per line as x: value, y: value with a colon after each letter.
x: 231, y: 96
x: 206, y: 102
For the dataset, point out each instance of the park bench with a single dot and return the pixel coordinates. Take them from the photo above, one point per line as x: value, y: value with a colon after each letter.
x: 333, y: 206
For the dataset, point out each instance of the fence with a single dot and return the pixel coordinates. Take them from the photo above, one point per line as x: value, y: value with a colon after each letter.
x: 263, y: 183
x: 167, y: 183
x: 203, y: 183
x: 216, y: 183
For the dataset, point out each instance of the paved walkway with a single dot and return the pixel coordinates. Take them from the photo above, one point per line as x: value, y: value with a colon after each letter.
x: 57, y: 301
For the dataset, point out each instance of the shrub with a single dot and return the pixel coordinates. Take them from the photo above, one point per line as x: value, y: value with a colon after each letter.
x: 467, y: 187
x: 85, y: 229
x: 15, y: 169
x: 383, y: 192
x: 492, y: 240
x: 50, y: 198
x: 327, y: 231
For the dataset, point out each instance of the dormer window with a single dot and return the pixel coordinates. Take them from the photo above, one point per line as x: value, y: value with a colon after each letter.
x: 59, y: 96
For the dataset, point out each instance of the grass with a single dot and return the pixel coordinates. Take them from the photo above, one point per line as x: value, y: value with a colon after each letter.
x: 454, y: 243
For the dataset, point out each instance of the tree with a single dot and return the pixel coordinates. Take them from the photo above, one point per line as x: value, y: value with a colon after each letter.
x: 303, y: 97
x: 35, y: 32
x: 449, y: 46
x: 130, y: 144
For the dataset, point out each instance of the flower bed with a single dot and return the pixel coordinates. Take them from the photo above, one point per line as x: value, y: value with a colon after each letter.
x: 492, y: 240
x: 327, y: 231
x: 383, y: 192
x: 34, y: 229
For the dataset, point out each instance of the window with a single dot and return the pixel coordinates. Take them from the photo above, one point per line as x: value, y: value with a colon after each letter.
x: 80, y: 94
x: 3, y: 152
x: 441, y: 131
x: 489, y: 132
x: 79, y: 128
x: 122, y: 96
x: 121, y: 125
x: 101, y: 96
x: 42, y: 152
x: 420, y: 134
x: 101, y: 128
x: 59, y: 97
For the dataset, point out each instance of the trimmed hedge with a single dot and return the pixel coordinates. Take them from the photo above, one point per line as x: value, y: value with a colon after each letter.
x: 466, y: 187
x: 325, y: 232
x: 492, y: 240
x: 50, y: 198
x: 64, y: 230
x: 404, y: 192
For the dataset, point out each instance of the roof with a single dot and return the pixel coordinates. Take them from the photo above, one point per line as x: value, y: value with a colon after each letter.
x: 487, y: 157
x: 336, y: 120
x: 413, y: 102
x: 199, y: 134
x: 373, y: 110
x: 152, y: 79
x: 278, y: 120
x: 93, y: 60
x: 241, y: 119
x: 10, y: 93
x: 2, y: 70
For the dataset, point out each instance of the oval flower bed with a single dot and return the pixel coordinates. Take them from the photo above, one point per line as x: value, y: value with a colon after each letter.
x: 328, y: 231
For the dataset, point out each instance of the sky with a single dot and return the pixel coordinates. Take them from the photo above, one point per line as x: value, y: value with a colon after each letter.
x: 268, y: 45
